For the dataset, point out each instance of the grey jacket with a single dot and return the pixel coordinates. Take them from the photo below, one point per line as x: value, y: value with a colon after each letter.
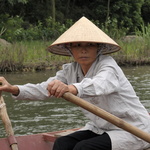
x: 105, y: 86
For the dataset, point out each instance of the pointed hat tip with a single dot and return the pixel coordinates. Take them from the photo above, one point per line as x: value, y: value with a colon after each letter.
x: 83, y: 30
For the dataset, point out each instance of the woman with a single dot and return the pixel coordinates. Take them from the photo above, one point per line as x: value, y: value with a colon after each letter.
x: 96, y: 78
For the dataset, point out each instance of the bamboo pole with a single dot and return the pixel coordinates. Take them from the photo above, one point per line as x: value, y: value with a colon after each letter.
x: 107, y: 116
x: 7, y: 124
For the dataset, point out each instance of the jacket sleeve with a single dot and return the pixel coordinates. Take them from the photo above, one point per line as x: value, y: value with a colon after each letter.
x: 38, y: 91
x: 105, y: 82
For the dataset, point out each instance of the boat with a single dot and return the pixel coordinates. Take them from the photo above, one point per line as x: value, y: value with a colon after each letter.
x: 45, y: 141
x: 41, y: 141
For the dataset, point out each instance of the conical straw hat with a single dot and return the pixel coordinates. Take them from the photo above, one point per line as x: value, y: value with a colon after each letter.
x: 83, y: 31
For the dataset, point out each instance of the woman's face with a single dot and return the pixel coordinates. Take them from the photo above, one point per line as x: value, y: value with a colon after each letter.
x: 84, y: 53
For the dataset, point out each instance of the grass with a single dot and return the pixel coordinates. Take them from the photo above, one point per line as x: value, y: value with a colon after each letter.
x: 134, y: 52
x: 32, y: 55
x: 135, y: 49
x: 28, y: 55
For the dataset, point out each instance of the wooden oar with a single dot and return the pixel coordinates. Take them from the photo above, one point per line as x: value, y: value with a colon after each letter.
x: 107, y: 116
x: 7, y: 124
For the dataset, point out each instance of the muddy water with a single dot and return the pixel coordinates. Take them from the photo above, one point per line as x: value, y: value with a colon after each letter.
x: 30, y: 117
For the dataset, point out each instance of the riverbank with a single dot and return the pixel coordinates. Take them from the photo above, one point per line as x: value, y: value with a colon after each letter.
x: 33, y: 56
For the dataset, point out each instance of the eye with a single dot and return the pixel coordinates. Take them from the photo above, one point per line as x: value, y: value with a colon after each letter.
x: 78, y: 45
x: 90, y: 44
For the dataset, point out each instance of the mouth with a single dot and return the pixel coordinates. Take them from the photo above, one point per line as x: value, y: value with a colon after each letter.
x: 84, y: 57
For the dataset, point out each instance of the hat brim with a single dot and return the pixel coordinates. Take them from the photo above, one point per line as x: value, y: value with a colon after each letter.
x: 60, y: 49
x: 83, y: 31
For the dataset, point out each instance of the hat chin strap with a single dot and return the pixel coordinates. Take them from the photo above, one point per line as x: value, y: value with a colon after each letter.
x: 99, y: 50
x: 69, y: 51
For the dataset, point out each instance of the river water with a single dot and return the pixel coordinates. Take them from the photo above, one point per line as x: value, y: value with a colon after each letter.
x: 31, y: 117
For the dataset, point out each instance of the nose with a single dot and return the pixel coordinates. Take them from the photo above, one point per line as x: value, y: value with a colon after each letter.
x: 84, y: 48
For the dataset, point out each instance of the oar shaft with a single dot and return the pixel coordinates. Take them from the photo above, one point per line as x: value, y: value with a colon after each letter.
x: 7, y: 124
x: 107, y: 116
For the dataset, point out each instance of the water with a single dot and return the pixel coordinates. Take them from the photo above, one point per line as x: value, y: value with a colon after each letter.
x: 139, y: 77
x: 31, y: 117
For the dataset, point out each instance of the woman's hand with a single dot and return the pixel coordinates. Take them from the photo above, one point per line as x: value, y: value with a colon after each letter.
x: 7, y: 87
x: 57, y: 88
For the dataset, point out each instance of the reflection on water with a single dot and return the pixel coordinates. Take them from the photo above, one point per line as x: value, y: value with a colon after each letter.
x: 30, y: 117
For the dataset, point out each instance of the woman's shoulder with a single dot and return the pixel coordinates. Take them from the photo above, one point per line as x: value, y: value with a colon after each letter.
x: 69, y: 66
x: 107, y: 60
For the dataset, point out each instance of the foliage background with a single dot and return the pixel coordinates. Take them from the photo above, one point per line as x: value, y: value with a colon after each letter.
x: 31, y: 25
x: 47, y: 19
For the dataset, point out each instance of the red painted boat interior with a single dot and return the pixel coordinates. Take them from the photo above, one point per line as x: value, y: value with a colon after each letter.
x: 43, y: 141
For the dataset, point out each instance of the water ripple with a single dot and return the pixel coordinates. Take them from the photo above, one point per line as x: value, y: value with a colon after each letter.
x: 30, y: 117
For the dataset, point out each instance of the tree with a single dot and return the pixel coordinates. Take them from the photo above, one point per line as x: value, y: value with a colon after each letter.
x: 127, y: 13
x: 123, y: 13
x: 108, y: 10
x: 146, y: 11
x: 53, y: 10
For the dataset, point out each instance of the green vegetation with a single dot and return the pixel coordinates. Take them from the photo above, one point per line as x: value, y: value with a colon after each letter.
x: 31, y: 29
x: 32, y: 55
x: 46, y: 20
x: 29, y: 56
x: 15, y: 29
x: 135, y: 49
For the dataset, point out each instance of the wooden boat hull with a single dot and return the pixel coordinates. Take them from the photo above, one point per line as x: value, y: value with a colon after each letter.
x: 30, y: 142
x: 42, y: 141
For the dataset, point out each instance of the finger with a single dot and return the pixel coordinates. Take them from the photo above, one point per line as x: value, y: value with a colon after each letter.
x: 58, y: 92
x: 62, y: 91
x: 53, y: 86
x: 2, y: 86
x: 49, y: 87
x: 55, y: 89
x: 3, y: 81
